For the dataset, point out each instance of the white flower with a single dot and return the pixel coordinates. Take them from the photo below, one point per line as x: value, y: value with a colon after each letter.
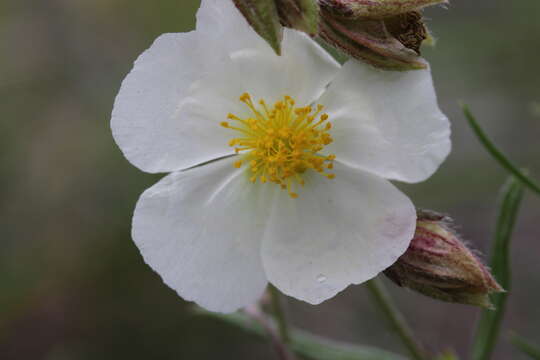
x: 219, y: 227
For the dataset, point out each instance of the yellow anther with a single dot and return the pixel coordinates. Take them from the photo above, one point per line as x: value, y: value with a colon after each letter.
x: 281, y: 143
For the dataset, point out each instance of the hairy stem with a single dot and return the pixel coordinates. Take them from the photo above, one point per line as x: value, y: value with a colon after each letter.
x: 279, y: 314
x: 255, y: 313
x: 397, y: 321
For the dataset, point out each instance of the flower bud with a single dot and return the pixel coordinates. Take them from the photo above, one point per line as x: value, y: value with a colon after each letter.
x: 438, y: 264
x: 391, y: 44
x: 374, y: 9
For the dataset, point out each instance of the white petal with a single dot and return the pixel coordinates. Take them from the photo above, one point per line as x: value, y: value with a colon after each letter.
x: 145, y: 121
x: 303, y: 72
x: 387, y: 122
x: 200, y: 229
x: 336, y: 233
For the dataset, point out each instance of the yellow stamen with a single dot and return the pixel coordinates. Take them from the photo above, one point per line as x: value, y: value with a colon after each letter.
x: 281, y: 142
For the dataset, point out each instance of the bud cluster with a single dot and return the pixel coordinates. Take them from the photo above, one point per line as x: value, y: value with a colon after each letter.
x: 384, y: 33
x: 438, y: 264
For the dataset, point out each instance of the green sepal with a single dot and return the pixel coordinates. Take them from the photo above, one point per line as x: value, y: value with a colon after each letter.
x: 262, y: 16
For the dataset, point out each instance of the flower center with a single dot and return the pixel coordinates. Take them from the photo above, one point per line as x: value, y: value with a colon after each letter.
x: 282, y: 142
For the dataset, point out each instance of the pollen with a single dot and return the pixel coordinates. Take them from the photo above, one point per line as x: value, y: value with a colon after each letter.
x: 280, y: 143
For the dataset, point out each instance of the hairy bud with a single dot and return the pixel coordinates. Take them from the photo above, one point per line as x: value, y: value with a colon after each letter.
x: 390, y: 44
x: 374, y: 9
x: 385, y: 33
x: 438, y: 264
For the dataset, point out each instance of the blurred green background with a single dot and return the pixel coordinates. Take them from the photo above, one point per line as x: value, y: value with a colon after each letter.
x: 72, y: 283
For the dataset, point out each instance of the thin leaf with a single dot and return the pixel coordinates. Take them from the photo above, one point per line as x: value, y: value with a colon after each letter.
x: 497, y: 154
x: 490, y: 321
x: 310, y: 347
x: 532, y: 350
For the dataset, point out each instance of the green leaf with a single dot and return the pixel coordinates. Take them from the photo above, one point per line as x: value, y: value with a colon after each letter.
x: 307, y: 346
x: 262, y: 16
x: 497, y: 154
x: 532, y: 350
x: 490, y: 321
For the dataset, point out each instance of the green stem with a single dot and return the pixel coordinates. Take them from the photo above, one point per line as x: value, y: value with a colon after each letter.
x: 279, y: 314
x: 396, y: 319
x: 303, y: 344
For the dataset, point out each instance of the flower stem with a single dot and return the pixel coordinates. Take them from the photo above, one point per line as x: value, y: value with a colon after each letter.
x: 396, y: 319
x: 255, y: 313
x: 279, y: 314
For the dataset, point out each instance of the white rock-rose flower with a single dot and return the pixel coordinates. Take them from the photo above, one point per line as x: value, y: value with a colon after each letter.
x: 279, y: 165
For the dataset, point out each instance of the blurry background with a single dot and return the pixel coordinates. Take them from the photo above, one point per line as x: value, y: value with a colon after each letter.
x: 72, y: 283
